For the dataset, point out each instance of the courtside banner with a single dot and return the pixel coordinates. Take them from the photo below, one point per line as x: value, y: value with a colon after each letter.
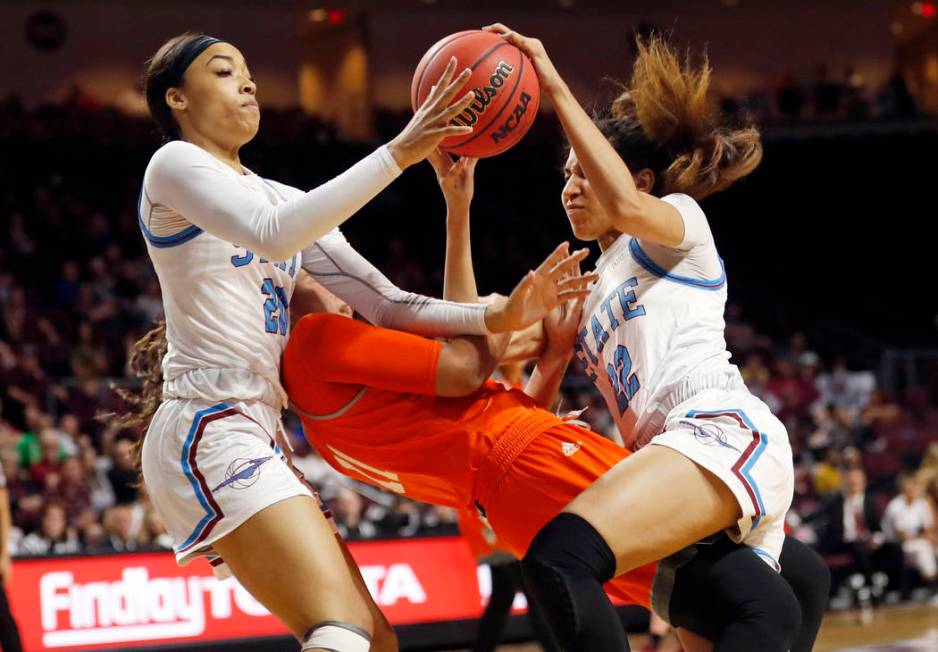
x: 122, y: 601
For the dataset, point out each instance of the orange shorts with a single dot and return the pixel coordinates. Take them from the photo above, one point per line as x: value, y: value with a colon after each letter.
x: 550, y: 472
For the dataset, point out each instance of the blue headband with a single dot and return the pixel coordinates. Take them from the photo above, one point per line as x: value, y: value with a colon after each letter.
x: 189, y: 52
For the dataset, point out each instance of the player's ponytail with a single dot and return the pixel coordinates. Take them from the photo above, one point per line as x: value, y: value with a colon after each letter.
x: 663, y: 121
x: 145, y: 362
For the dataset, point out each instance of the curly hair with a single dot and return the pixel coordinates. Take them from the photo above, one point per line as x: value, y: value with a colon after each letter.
x: 663, y: 121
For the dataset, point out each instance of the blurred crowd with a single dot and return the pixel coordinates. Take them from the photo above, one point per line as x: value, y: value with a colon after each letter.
x: 829, y: 96
x: 69, y: 315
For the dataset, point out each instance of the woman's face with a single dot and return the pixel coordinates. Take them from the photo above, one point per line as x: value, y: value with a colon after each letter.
x: 588, y: 219
x: 53, y: 523
x: 217, y: 99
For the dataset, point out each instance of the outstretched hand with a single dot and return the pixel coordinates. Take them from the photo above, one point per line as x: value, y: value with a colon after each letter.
x: 561, y: 326
x: 431, y: 122
x: 547, y: 74
x: 555, y: 281
x: 456, y: 178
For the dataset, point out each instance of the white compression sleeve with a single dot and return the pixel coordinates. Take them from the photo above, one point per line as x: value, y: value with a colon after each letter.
x: 190, y: 181
x: 343, y: 271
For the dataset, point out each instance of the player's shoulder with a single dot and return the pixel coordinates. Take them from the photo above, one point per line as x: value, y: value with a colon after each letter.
x: 173, y: 157
x: 176, y: 150
x: 683, y: 202
x: 696, y: 226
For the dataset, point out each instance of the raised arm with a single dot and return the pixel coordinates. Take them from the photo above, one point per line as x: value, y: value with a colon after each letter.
x: 337, y: 349
x: 212, y: 196
x: 631, y: 210
x: 560, y: 328
x: 457, y: 181
x: 191, y: 182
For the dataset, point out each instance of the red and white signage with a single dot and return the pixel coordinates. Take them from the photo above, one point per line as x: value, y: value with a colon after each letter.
x: 83, y: 603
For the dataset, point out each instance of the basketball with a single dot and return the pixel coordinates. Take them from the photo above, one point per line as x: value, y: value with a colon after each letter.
x: 503, y: 80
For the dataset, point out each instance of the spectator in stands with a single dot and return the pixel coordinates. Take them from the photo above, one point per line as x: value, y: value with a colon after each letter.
x: 122, y: 474
x: 845, y: 390
x: 928, y: 473
x: 879, y: 410
x: 756, y: 375
x: 118, y: 529
x: 28, y: 444
x: 849, y: 525
x: 347, y: 508
x: 70, y: 488
x: 154, y: 531
x: 46, y: 470
x: 95, y: 469
x: 794, y: 393
x: 54, y: 535
x: 909, y: 521
x: 827, y: 474
x: 27, y: 382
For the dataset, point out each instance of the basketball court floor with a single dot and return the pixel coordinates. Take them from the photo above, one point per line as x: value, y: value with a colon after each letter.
x: 905, y: 628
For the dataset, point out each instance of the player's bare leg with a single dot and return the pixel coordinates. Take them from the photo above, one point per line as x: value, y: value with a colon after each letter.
x: 287, y: 558
x: 654, y: 503
x: 383, y: 638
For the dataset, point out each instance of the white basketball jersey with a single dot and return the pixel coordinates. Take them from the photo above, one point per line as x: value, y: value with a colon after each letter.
x: 227, y: 316
x: 653, y: 319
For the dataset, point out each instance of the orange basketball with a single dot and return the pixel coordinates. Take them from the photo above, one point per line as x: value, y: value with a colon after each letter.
x: 506, y: 90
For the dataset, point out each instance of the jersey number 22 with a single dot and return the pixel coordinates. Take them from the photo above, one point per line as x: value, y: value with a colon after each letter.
x: 624, y: 383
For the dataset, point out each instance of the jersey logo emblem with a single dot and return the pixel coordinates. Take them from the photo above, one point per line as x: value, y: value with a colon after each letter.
x: 710, y: 434
x: 242, y: 473
x: 568, y: 449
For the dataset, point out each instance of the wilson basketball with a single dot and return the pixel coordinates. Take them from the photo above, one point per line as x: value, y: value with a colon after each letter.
x: 503, y: 80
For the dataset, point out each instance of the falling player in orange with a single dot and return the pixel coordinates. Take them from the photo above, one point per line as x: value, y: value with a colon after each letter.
x: 421, y: 418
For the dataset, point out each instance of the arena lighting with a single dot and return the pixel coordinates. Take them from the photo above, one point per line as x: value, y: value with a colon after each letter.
x: 925, y: 9
x: 318, y: 15
x: 335, y: 16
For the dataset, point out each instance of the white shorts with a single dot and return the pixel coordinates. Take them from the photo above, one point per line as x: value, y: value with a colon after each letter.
x: 736, y: 437
x: 209, y: 467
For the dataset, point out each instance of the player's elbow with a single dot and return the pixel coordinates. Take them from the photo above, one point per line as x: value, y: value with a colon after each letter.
x: 274, y: 251
x: 462, y: 368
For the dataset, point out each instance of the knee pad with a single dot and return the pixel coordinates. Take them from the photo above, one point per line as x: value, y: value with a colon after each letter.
x: 569, y: 542
x: 781, y: 625
x: 564, y: 569
x: 337, y: 637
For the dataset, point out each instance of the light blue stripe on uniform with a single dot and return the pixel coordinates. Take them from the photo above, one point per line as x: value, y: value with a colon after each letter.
x: 187, y: 470
x: 744, y: 471
x: 164, y: 241
x: 766, y: 555
x: 643, y: 259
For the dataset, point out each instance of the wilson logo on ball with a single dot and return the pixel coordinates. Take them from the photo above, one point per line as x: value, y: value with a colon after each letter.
x: 503, y: 86
x: 484, y: 96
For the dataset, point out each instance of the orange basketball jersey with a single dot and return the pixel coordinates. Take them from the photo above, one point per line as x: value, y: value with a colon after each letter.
x: 366, y: 399
x: 367, y: 402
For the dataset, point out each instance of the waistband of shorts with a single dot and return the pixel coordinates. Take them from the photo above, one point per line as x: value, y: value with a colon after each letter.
x: 216, y: 385
x: 504, y: 452
x: 652, y: 422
